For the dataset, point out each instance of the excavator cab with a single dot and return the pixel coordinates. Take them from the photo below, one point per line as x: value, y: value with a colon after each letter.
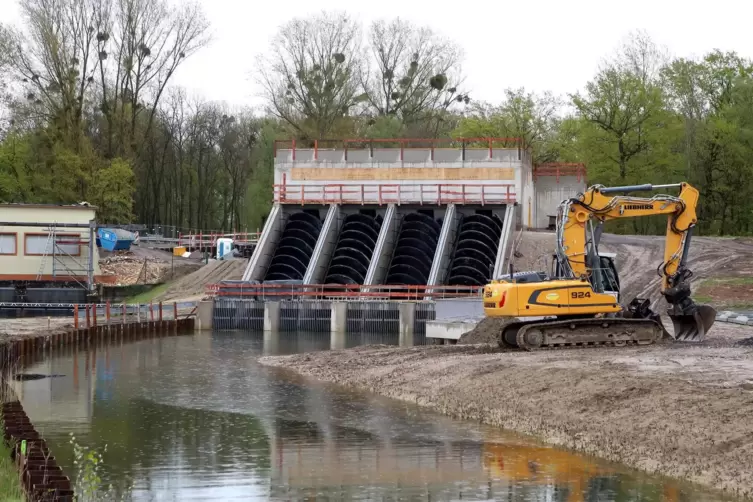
x: 604, y: 279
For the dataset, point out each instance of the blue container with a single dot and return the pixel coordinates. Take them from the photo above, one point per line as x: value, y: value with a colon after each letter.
x: 112, y: 239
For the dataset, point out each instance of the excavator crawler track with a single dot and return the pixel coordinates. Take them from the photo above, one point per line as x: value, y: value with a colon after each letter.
x: 579, y: 333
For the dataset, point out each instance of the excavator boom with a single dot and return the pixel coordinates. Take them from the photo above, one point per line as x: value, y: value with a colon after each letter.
x: 691, y: 321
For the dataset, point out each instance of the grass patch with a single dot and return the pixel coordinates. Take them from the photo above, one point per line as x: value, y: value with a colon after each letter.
x: 10, y: 484
x: 731, y: 281
x: 148, y: 296
x: 726, y: 293
x: 739, y: 306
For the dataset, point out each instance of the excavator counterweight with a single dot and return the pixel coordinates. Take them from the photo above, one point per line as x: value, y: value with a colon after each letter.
x: 579, y: 303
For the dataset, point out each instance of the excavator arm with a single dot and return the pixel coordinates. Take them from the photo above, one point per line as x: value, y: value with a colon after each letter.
x: 579, y: 223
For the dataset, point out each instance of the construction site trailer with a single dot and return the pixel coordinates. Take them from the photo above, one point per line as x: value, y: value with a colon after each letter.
x: 46, y: 245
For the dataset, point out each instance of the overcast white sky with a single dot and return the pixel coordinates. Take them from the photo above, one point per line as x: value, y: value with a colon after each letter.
x: 540, y: 44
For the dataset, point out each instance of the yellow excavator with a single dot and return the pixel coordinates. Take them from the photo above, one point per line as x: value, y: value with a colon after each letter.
x: 578, y: 304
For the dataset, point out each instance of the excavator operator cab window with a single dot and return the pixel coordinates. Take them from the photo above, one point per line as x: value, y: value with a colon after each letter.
x: 609, y: 279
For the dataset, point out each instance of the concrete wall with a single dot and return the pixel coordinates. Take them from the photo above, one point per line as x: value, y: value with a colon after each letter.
x: 382, y: 156
x: 422, y: 173
x: 420, y: 178
x: 458, y: 309
x: 22, y: 248
x: 550, y: 191
x: 527, y: 195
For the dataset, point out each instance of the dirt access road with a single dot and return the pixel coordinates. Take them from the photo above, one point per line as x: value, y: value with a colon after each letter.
x: 678, y: 410
x: 192, y: 287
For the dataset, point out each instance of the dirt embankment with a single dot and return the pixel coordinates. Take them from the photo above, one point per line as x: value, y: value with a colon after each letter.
x: 486, y: 331
x: 639, y: 256
x: 679, y: 410
x: 193, y: 286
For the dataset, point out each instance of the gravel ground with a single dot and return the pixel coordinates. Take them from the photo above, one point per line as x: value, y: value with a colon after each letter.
x: 13, y: 329
x: 674, y: 409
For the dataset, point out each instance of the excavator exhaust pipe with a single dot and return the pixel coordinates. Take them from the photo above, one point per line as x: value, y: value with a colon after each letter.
x: 693, y: 324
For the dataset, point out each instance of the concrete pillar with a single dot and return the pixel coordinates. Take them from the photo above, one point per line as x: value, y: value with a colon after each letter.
x: 271, y: 316
x: 406, y: 323
x: 204, y: 316
x: 338, y: 325
x: 271, y: 343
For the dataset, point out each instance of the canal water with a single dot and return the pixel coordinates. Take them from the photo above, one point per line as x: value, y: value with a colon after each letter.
x: 196, y: 418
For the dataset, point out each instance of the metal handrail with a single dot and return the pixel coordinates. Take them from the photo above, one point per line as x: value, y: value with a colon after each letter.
x: 376, y: 193
x: 351, y: 291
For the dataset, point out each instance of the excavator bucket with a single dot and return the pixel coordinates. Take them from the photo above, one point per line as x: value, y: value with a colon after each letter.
x: 693, y: 324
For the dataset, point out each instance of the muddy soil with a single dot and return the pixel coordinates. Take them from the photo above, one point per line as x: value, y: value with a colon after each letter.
x: 675, y: 409
x: 486, y: 331
x: 733, y: 294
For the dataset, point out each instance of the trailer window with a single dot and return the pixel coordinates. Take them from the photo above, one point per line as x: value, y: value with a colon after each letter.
x: 7, y: 244
x: 38, y: 244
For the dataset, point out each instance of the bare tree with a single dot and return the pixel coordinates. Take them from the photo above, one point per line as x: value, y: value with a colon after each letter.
x: 55, y: 59
x: 141, y: 45
x: 642, y: 57
x: 309, y: 76
x: 413, y: 70
x: 238, y: 137
x: 6, y: 52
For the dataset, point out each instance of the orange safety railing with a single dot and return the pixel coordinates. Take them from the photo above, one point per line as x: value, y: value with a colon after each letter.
x: 403, y: 143
x: 559, y: 169
x: 344, y: 291
x: 209, y: 239
x: 375, y: 193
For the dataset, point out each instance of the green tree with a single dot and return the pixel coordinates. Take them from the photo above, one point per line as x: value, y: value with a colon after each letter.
x: 709, y: 96
x: 620, y: 106
x: 534, y: 118
x: 112, y: 192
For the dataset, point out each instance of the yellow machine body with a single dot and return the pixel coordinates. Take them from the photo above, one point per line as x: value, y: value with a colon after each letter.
x: 549, y: 298
x: 576, y: 296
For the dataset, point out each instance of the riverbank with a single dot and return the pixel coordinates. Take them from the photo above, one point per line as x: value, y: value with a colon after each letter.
x: 677, y: 410
x: 10, y: 487
x: 30, y: 327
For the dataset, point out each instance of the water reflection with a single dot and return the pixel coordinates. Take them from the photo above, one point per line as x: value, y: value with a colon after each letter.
x: 196, y: 418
